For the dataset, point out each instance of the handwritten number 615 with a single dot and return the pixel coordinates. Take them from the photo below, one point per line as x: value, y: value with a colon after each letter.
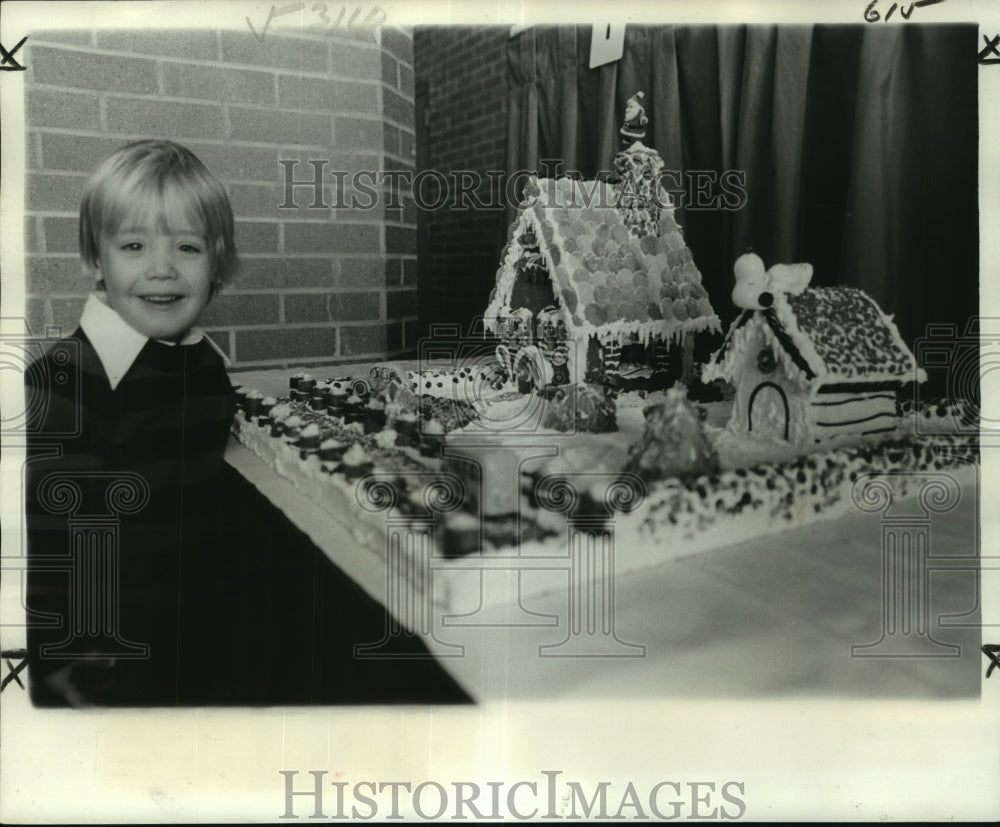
x: 872, y: 15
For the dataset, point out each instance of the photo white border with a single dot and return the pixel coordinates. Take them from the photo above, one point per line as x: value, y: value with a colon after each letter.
x: 809, y: 759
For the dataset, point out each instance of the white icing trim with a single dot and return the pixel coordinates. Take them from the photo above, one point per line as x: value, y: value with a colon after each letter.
x: 794, y: 373
x: 921, y: 374
x: 735, y: 344
x: 804, y: 345
x: 500, y: 306
x: 552, y: 196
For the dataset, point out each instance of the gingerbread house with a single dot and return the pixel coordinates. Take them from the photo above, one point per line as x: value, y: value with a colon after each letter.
x: 596, y: 282
x: 813, y: 365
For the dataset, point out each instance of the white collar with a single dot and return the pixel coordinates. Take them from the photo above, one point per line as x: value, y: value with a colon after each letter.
x: 117, y: 343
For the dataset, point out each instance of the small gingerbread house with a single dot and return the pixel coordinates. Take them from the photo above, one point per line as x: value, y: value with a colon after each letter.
x: 596, y: 278
x: 814, y: 365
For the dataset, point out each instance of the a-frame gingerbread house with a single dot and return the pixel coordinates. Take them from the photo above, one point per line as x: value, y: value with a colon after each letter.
x: 596, y: 274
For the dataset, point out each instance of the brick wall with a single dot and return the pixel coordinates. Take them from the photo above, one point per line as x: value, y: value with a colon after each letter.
x: 318, y: 285
x: 464, y: 70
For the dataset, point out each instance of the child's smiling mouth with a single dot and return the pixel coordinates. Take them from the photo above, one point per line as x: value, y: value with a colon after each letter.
x: 161, y: 300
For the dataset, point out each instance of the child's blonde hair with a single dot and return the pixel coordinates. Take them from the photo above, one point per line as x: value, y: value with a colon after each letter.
x: 141, y: 177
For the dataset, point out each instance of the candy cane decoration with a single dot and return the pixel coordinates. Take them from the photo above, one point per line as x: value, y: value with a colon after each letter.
x: 522, y: 364
x: 532, y: 365
x: 547, y: 372
x: 361, y: 387
x: 506, y: 360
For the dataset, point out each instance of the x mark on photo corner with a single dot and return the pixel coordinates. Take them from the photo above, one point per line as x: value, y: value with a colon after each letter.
x: 13, y: 669
x: 7, y: 61
x: 992, y: 652
x: 991, y: 51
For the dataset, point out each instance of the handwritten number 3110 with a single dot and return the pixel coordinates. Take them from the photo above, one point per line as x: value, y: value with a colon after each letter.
x: 326, y: 21
x: 375, y: 17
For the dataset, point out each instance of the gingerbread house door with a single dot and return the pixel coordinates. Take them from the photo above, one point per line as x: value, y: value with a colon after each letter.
x: 767, y: 411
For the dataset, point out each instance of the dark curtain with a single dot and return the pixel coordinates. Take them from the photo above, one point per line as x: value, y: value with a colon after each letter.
x: 859, y: 146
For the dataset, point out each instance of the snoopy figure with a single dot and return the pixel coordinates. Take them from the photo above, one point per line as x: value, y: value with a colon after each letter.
x: 755, y: 287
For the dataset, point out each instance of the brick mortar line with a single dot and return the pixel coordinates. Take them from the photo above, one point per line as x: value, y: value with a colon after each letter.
x: 253, y: 291
x: 227, y: 121
x: 84, y: 132
x: 78, y: 48
x: 238, y: 220
x: 318, y: 361
x: 409, y: 130
x: 310, y: 291
x: 324, y: 222
x: 400, y: 158
x: 57, y: 171
x: 293, y: 256
x: 37, y: 138
x: 354, y: 324
x: 381, y: 289
x: 398, y: 125
x: 280, y: 33
x: 165, y: 97
x: 214, y: 142
x: 297, y: 256
x: 239, y: 142
x: 410, y: 99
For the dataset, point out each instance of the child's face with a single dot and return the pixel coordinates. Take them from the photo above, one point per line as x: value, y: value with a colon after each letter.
x: 157, y: 274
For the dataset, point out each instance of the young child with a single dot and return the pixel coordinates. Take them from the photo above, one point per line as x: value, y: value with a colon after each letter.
x: 157, y: 575
x: 122, y: 478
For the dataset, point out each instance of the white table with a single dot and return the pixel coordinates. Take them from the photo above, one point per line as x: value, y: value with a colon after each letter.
x: 774, y: 616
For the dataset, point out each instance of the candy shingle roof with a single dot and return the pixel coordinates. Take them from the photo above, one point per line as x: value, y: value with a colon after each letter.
x: 824, y: 335
x: 607, y: 283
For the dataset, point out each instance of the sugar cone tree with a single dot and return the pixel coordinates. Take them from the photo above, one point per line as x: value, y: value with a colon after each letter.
x: 674, y: 442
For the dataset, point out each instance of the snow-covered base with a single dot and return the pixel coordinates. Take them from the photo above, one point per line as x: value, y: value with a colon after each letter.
x: 677, y: 519
x: 764, y: 487
x: 333, y: 492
